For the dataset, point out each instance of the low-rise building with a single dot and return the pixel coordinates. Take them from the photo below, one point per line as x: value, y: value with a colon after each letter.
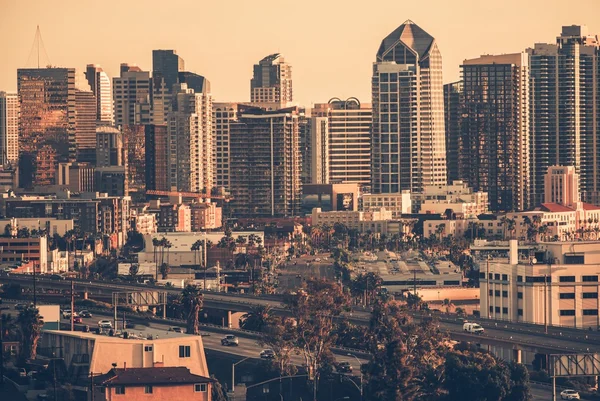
x: 205, y: 216
x: 145, y: 223
x: 398, y: 204
x: 330, y: 197
x: 458, y: 197
x: 50, y: 225
x: 558, y: 284
x: 31, y: 251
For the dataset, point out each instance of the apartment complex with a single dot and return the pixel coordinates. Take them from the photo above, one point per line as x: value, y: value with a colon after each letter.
x: 46, y: 123
x: 271, y: 83
x: 564, y: 86
x: 341, y: 142
x: 408, y: 138
x: 558, y: 285
x: 102, y: 89
x: 265, y: 163
x: 9, y: 128
x: 458, y: 197
x: 494, y: 156
x: 224, y: 114
x: 85, y: 126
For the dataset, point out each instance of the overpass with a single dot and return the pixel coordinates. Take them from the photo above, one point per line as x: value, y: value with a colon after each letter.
x: 516, y: 336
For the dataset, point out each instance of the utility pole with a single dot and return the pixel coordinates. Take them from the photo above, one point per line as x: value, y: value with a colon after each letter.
x: 72, y: 305
x: 546, y: 303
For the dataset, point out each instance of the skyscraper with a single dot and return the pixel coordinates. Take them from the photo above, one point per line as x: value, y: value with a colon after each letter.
x: 101, y: 87
x: 85, y: 126
x: 265, y: 163
x: 190, y: 141
x: 453, y: 105
x: 494, y: 154
x: 224, y: 114
x: 341, y: 142
x: 408, y: 145
x: 271, y: 84
x: 132, y: 96
x: 47, y: 120
x: 110, y: 150
x: 564, y: 128
x: 167, y: 63
x: 9, y: 128
x: 156, y: 156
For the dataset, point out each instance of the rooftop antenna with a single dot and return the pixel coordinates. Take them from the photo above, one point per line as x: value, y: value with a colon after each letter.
x: 38, y: 44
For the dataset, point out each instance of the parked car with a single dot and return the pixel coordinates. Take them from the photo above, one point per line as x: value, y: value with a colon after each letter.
x: 105, y: 324
x: 569, y: 395
x: 344, y: 367
x: 176, y: 329
x: 317, y: 259
x: 229, y: 340
x: 85, y: 313
x: 267, y: 354
x: 473, y: 328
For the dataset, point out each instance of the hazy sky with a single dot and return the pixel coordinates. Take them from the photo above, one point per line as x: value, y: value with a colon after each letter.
x: 331, y: 44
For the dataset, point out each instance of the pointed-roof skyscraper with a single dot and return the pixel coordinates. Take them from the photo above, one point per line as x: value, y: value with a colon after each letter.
x: 408, y: 142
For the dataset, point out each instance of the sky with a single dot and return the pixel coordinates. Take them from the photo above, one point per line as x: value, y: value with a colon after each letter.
x: 331, y: 44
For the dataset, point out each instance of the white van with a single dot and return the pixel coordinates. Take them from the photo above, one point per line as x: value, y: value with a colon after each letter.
x: 473, y: 328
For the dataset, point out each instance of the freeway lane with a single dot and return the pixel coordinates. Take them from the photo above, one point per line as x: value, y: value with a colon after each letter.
x: 557, y: 340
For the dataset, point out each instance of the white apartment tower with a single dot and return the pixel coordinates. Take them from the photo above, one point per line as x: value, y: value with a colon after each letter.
x: 341, y: 142
x: 101, y: 87
x: 408, y: 141
x: 9, y: 128
x: 191, y: 156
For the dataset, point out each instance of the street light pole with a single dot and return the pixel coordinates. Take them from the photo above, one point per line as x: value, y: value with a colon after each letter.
x: 233, y: 374
x: 361, y: 375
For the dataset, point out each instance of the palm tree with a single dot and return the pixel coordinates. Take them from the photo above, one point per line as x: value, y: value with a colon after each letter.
x: 192, y: 301
x: 196, y: 246
x: 30, y: 328
x: 257, y: 319
x: 155, y: 246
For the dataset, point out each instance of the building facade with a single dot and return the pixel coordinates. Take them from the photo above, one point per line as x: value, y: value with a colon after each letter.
x: 398, y: 204
x: 156, y: 157
x: 495, y: 129
x: 85, y: 126
x: 341, y: 142
x: 9, y: 128
x: 408, y: 141
x: 453, y: 106
x: 223, y: 115
x: 102, y: 89
x: 167, y: 64
x: 271, y: 83
x: 132, y: 96
x: 265, y: 163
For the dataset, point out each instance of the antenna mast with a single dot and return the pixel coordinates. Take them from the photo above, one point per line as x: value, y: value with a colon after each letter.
x: 38, y: 45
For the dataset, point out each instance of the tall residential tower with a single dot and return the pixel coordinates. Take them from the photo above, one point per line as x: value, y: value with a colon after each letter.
x: 271, y: 83
x: 101, y: 87
x: 9, y: 128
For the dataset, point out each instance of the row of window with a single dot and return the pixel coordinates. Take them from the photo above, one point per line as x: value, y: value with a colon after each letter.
x: 198, y: 388
x: 562, y: 312
x: 540, y: 279
x: 566, y: 295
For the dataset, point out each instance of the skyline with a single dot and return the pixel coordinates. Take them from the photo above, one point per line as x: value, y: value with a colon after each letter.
x: 231, y: 45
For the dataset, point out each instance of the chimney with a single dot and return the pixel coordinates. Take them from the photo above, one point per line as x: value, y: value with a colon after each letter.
x: 124, y: 365
x: 513, y: 252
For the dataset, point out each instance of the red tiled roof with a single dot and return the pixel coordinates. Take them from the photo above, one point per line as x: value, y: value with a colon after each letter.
x: 555, y: 208
x: 589, y: 206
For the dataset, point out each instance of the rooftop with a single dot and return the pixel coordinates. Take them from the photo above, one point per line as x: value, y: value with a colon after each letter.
x: 410, y: 35
x: 155, y: 375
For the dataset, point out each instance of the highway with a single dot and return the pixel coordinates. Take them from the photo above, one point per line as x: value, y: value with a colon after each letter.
x: 529, y: 337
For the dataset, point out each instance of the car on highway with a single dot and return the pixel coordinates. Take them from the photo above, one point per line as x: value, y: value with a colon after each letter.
x: 267, y: 354
x: 105, y: 324
x: 473, y: 328
x: 230, y: 340
x: 344, y: 367
x: 66, y: 314
x: 77, y: 319
x: 569, y: 395
x: 317, y: 259
x: 85, y: 313
x: 57, y: 277
x: 176, y: 329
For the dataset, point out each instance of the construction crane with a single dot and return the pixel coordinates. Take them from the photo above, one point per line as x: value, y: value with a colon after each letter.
x: 194, y: 195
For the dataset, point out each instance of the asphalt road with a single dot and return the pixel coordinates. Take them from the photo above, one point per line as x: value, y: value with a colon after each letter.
x: 306, y: 267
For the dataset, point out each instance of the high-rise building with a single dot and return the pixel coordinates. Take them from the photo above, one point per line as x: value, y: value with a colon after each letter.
x: 265, y: 163
x: 271, y: 84
x: 494, y: 154
x: 341, y: 142
x: 224, y: 114
x: 101, y: 87
x: 453, y: 105
x: 190, y: 141
x: 132, y: 96
x: 168, y: 64
x: 9, y: 128
x: 134, y: 142
x: 110, y: 150
x: 85, y: 126
x: 408, y: 145
x: 160, y: 100
x: 565, y: 110
x: 47, y: 120
x: 156, y: 156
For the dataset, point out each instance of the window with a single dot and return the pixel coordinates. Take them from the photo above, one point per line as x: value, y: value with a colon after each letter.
x: 505, y: 310
x: 520, y: 312
x: 491, y: 293
x: 481, y: 275
x: 200, y: 388
x: 504, y: 294
x: 497, y: 293
x: 566, y: 279
x: 593, y: 279
x: 184, y: 351
x: 567, y: 295
x: 497, y: 309
x: 590, y: 312
x: 120, y: 390
x: 148, y: 348
x: 496, y: 276
x: 567, y: 312
x: 590, y: 295
x: 520, y: 279
x: 148, y: 390
x: 519, y: 295
x: 505, y: 277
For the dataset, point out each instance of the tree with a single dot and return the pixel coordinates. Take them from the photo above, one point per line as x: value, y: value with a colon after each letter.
x: 519, y: 380
x: 134, y: 269
x: 30, y: 325
x: 9, y: 327
x: 217, y: 392
x: 257, y: 319
x: 281, y: 336
x: 165, y: 270
x: 192, y: 301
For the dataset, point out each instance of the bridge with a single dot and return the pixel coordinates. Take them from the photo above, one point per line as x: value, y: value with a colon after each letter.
x: 508, y: 335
